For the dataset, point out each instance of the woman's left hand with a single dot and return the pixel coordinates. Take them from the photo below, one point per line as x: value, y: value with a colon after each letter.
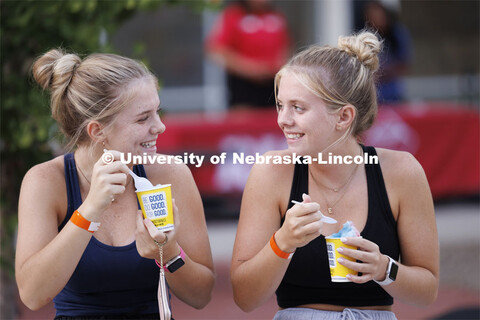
x: 373, y: 265
x: 146, y: 233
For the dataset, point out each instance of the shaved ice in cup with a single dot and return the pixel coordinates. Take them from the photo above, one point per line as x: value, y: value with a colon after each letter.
x: 338, y: 272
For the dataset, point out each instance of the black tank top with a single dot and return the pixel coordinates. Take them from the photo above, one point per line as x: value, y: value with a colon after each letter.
x: 307, y: 279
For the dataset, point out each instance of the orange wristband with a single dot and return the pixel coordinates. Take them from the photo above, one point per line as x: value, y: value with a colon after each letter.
x: 78, y: 220
x: 278, y: 251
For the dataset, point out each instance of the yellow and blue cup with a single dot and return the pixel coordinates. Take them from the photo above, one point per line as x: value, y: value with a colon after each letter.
x: 338, y: 272
x: 156, y: 205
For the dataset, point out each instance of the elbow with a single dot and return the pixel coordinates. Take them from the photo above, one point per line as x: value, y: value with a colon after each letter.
x: 31, y: 296
x: 32, y: 302
x: 244, y: 304
x: 427, y: 300
x: 30, y: 293
x: 206, y: 296
x: 203, y: 300
x: 202, y: 303
x: 243, y: 299
x: 431, y: 298
x: 241, y: 295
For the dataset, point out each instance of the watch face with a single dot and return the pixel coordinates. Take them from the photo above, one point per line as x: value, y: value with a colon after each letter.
x: 393, y: 271
x: 175, y: 265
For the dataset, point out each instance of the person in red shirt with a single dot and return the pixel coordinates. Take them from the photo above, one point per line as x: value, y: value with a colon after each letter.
x: 251, y: 41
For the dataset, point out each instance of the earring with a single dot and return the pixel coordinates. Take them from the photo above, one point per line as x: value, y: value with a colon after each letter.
x: 103, y: 143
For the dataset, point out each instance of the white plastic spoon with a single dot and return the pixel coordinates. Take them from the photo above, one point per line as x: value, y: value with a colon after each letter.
x: 324, y: 217
x: 141, y: 183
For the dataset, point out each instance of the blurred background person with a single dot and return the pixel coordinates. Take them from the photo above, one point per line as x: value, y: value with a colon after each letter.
x: 397, y: 53
x: 251, y: 41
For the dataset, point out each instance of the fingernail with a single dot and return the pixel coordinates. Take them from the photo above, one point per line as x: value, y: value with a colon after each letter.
x: 349, y: 276
x: 340, y: 250
x: 344, y: 240
x: 340, y: 260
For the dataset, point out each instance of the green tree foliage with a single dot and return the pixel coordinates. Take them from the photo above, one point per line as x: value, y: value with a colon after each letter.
x: 28, y: 29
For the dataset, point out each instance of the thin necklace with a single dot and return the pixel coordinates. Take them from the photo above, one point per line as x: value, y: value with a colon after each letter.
x: 79, y: 169
x: 330, y: 207
x: 337, y: 188
x: 333, y: 189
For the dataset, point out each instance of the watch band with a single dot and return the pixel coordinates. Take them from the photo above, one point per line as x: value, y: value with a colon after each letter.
x: 78, y: 220
x: 390, y: 274
x: 166, y: 266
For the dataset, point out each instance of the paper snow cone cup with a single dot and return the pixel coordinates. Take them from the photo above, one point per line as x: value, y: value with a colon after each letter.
x: 338, y: 272
x: 156, y: 205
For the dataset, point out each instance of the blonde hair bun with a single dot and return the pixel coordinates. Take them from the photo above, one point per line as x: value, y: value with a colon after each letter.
x: 365, y: 46
x: 55, y: 69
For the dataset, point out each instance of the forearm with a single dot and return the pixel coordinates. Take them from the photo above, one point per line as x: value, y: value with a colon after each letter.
x: 255, y: 281
x: 192, y: 283
x: 414, y: 285
x: 42, y: 276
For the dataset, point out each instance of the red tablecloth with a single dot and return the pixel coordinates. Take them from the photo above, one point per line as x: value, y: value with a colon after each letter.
x: 443, y: 137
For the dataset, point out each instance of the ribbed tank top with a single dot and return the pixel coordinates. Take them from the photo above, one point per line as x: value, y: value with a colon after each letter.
x: 108, y: 280
x: 307, y: 279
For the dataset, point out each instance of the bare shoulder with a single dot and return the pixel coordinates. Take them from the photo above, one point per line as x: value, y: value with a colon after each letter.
x: 404, y: 177
x: 44, y: 185
x: 398, y: 164
x: 271, y: 181
x: 50, y: 173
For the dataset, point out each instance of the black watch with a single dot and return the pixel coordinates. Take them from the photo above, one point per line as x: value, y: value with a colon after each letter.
x: 176, y: 263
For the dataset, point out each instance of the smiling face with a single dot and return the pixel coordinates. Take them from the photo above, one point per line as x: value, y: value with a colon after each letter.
x: 307, y: 123
x: 136, y: 127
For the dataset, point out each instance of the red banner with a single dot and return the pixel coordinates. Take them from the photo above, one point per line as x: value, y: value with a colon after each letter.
x: 444, y: 138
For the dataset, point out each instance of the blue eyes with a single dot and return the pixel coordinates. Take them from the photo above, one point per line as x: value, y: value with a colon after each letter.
x: 296, y: 108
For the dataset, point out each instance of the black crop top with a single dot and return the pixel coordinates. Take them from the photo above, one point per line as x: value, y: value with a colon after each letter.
x: 307, y: 279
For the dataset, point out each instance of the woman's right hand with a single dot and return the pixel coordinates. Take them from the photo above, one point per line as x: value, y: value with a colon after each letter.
x: 302, y: 225
x: 146, y: 233
x: 108, y: 180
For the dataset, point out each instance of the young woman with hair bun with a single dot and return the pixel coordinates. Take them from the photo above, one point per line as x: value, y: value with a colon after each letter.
x: 326, y: 99
x: 81, y: 239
